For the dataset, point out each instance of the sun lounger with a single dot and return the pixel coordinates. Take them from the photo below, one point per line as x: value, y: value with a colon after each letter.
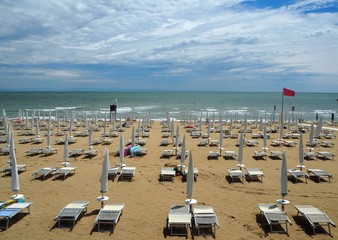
x: 33, y: 151
x: 314, y: 216
x: 112, y: 173
x: 327, y: 144
x: 325, y: 155
x: 49, y: 151
x: 213, y: 155
x: 203, y: 143
x: 4, y: 151
x: 255, y: 173
x: 275, y: 154
x: 296, y: 174
x: 44, y: 172
x: 196, y: 172
x: 7, y: 213
x: 260, y: 154
x: 71, y: 212
x: 164, y: 142
x: 20, y: 167
x: 214, y: 143
x: 91, y: 153
x: 230, y: 154
x: 76, y: 152
x: 127, y: 172
x: 205, y: 218
x: 64, y: 171
x: 274, y: 216
x: 320, y: 173
x: 236, y: 174
x: 166, y: 153
x: 277, y: 143
x: 179, y: 217
x: 251, y: 143
x: 109, y: 215
x: 167, y: 174
x: 309, y: 155
x: 24, y: 140
x: 140, y: 152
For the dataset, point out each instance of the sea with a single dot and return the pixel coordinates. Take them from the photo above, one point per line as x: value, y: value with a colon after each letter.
x: 176, y: 105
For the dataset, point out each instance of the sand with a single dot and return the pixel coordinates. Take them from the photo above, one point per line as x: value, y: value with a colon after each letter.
x: 147, y: 200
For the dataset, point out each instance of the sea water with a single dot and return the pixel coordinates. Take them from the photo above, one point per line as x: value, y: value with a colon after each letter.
x: 178, y: 105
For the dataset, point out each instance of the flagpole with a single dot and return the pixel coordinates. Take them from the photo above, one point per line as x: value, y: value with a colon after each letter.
x: 282, y: 116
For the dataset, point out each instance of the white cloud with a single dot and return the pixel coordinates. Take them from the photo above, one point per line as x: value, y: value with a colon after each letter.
x: 218, y: 34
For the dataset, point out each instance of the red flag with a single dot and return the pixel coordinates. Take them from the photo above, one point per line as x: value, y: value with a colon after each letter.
x: 288, y: 92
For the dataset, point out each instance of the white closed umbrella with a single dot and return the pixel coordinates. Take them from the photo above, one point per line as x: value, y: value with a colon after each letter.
x: 104, y: 178
x: 14, y: 167
x: 284, y: 181
x: 190, y: 181
x: 301, y: 152
x: 90, y: 137
x: 133, y: 137
x: 37, y: 129
x: 66, y: 151
x: 311, y: 136
x: 245, y: 125
x: 49, y: 141
x: 177, y: 139
x: 183, y: 156
x: 121, y: 150
x: 221, y: 141
x: 264, y: 139
x: 240, y: 152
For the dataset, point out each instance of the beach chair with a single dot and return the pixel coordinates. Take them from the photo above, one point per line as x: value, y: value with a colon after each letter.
x: 166, y: 153
x: 112, y: 173
x: 179, y: 218
x: 260, y: 155
x: 315, y: 217
x: 296, y: 174
x: 7, y: 213
x: 203, y: 143
x: 33, y: 151
x: 325, y: 155
x: 44, y: 172
x: 213, y: 155
x: 251, y: 143
x: 274, y: 216
x: 185, y: 172
x: 167, y: 173
x: 255, y: 173
x: 76, y: 152
x: 20, y: 167
x: 71, y: 212
x: 63, y: 172
x: 320, y: 173
x: 127, y: 172
x: 236, y: 173
x: 230, y: 155
x: 49, y: 151
x: 90, y: 153
x: 205, y: 219
x: 275, y: 154
x: 109, y: 215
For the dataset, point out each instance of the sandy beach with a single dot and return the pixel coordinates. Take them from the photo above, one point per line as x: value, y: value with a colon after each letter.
x: 148, y: 200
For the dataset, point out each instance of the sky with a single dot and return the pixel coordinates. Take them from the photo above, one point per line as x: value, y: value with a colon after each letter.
x: 180, y: 45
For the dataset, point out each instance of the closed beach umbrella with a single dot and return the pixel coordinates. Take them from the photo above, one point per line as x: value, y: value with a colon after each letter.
x: 264, y: 138
x: 66, y: 151
x: 319, y: 128
x: 190, y: 177
x: 133, y: 137
x: 245, y: 125
x: 37, y: 129
x: 49, y: 141
x: 14, y: 168
x: 105, y: 126
x: 177, y: 139
x: 183, y: 152
x: 221, y: 141
x: 301, y: 152
x: 311, y: 135
x: 104, y: 173
x: 240, y: 152
x: 209, y: 130
x: 121, y: 149
x: 284, y: 177
x: 90, y: 137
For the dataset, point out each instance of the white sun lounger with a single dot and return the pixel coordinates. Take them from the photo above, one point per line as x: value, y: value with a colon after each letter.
x: 296, y: 173
x: 127, y: 172
x: 71, y: 212
x: 64, y: 171
x: 20, y: 167
x: 314, y: 216
x: 274, y: 216
x: 205, y: 217
x: 7, y: 213
x: 255, y: 173
x: 112, y: 172
x: 44, y: 172
x: 320, y: 173
x: 196, y: 172
x: 109, y: 215
x: 167, y: 173
x: 236, y: 174
x: 179, y: 217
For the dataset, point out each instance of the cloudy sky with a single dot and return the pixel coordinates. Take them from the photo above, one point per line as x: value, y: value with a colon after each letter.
x: 209, y: 45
